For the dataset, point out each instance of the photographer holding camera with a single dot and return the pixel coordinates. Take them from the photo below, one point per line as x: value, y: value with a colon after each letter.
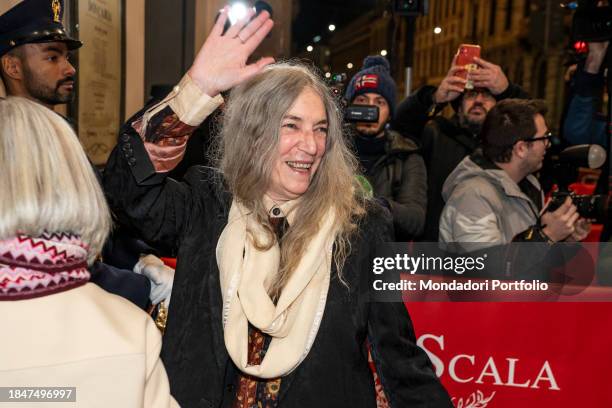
x: 391, y: 163
x: 492, y: 197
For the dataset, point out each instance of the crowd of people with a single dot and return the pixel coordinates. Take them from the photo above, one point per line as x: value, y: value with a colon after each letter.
x: 270, y: 301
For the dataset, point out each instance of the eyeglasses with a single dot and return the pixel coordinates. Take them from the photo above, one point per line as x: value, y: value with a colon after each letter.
x: 547, y: 138
x: 473, y: 93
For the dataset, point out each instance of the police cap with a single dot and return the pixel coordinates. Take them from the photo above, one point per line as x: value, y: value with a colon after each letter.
x: 32, y: 21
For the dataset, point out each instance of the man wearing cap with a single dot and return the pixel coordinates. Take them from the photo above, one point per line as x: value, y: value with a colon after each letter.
x: 391, y: 163
x: 35, y: 64
x: 492, y: 196
x: 445, y: 142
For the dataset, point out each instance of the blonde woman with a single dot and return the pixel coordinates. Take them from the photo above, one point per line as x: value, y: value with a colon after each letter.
x: 269, y: 306
x: 58, y: 330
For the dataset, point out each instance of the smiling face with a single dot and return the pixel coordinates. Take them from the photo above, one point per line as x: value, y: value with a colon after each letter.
x: 302, y: 138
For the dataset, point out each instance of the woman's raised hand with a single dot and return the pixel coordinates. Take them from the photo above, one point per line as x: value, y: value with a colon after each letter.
x: 221, y: 63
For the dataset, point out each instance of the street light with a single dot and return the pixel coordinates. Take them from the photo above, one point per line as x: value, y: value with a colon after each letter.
x: 327, y: 75
x: 309, y: 48
x: 383, y: 53
x: 349, y: 65
x: 437, y: 30
x: 331, y: 27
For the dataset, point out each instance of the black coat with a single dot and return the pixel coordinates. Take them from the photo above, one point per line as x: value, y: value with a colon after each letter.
x: 191, y: 215
x: 398, y: 175
x: 444, y: 145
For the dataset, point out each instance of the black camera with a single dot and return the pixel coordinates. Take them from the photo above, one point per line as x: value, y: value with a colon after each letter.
x: 565, y: 165
x: 361, y: 113
x: 352, y: 113
x: 593, y: 207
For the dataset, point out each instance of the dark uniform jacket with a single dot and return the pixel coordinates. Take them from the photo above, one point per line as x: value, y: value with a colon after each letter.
x: 191, y: 215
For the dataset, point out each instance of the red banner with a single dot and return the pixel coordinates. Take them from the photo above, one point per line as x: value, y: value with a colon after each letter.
x: 519, y: 354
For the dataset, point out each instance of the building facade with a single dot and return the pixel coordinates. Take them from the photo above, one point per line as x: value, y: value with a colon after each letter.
x: 527, y: 38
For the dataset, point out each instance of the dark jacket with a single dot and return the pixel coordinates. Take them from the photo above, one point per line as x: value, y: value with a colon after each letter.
x: 444, y: 143
x: 399, y: 176
x: 121, y: 282
x: 191, y: 215
x: 583, y: 124
x: 115, y: 273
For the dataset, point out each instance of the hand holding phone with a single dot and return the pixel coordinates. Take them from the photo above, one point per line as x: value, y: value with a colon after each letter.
x: 489, y: 76
x: 466, y: 60
x: 451, y: 86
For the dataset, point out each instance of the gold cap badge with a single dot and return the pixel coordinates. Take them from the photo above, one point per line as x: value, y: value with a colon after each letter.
x: 57, y: 9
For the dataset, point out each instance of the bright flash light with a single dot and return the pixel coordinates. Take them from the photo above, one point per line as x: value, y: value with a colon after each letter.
x: 327, y: 75
x: 349, y: 65
x: 383, y: 53
x: 437, y: 30
x: 237, y: 11
x: 309, y: 48
x: 331, y: 27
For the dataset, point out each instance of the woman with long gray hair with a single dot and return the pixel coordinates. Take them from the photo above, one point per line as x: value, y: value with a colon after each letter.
x: 269, y: 306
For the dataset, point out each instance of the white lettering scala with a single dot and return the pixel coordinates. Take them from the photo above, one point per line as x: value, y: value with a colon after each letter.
x: 503, y: 373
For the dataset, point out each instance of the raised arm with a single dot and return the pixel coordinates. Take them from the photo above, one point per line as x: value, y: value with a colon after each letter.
x: 153, y: 142
x: 580, y: 124
x: 416, y: 110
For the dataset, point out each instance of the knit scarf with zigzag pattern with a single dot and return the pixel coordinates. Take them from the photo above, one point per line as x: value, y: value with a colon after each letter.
x: 32, y: 267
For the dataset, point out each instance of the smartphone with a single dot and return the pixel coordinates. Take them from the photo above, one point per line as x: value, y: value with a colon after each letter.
x: 465, y: 58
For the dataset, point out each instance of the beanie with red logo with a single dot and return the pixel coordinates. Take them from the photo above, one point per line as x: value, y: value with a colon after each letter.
x: 374, y: 77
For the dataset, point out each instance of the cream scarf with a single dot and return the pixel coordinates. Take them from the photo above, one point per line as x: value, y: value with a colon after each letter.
x: 294, y: 321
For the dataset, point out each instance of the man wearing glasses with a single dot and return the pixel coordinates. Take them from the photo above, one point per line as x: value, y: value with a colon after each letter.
x: 493, y: 197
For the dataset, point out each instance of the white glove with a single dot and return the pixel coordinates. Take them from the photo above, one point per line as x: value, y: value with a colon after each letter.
x: 160, y: 275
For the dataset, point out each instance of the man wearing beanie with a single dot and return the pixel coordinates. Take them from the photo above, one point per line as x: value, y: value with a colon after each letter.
x: 492, y: 196
x: 445, y: 142
x: 390, y: 162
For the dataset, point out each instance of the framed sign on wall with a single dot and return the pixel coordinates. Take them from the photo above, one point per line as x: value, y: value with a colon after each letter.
x: 100, y: 72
